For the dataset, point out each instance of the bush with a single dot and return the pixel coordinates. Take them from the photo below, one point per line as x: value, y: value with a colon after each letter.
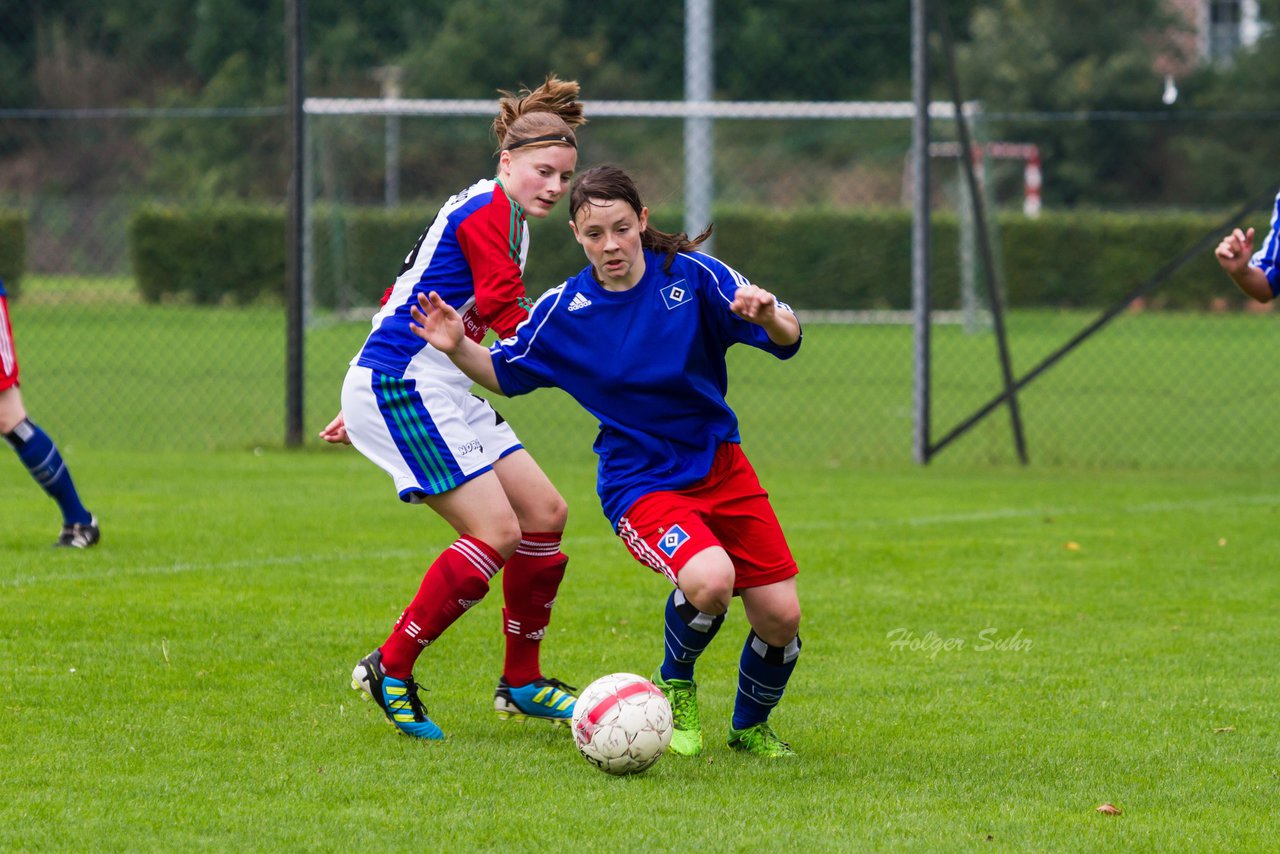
x: 814, y: 259
x: 13, y: 250
x: 210, y: 255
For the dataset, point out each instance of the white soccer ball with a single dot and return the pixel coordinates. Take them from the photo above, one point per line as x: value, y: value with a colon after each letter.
x: 622, y: 723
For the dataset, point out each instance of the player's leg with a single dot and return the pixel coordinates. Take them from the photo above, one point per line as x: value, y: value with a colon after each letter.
x: 38, y: 452
x: 664, y: 531
x: 423, y: 441
x: 765, y: 578
x: 457, y: 579
x: 768, y: 659
x: 530, y: 582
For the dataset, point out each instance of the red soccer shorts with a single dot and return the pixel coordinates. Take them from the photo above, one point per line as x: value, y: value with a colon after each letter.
x: 8, y: 355
x: 727, y: 508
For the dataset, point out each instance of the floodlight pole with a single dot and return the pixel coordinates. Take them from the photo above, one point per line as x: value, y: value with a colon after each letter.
x: 295, y: 17
x: 920, y: 229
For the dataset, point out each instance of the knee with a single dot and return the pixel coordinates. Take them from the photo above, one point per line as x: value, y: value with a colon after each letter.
x: 780, y: 625
x: 709, y: 588
x: 549, y: 513
x: 502, y: 535
x: 11, y: 411
x: 557, y: 513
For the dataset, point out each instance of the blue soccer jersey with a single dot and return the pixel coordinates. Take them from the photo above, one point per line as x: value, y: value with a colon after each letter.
x: 1267, y: 258
x: 649, y: 362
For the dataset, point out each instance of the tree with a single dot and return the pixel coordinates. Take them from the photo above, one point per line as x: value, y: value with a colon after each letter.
x: 1047, y: 63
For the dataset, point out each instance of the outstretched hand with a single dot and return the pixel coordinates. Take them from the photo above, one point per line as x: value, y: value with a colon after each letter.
x: 437, y: 323
x: 1234, y: 251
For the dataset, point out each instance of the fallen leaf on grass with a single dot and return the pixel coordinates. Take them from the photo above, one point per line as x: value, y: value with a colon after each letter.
x: 1072, y: 546
x: 1222, y: 541
x: 1224, y: 729
x: 1110, y: 809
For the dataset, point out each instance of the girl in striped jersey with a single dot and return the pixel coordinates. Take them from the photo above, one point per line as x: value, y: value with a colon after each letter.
x: 410, y: 411
x: 1257, y: 274
x: 639, y: 339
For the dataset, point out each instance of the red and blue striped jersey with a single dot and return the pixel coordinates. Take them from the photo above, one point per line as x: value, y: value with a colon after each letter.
x: 473, y: 254
x: 649, y: 362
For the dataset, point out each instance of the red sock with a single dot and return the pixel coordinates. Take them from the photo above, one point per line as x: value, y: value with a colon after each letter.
x: 458, y: 579
x: 529, y: 584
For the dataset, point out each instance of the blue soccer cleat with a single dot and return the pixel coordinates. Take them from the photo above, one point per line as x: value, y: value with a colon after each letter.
x: 542, y: 699
x: 398, y: 698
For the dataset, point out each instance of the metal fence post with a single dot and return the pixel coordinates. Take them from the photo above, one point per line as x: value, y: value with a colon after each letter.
x: 699, y: 66
x: 920, y: 230
x: 295, y: 18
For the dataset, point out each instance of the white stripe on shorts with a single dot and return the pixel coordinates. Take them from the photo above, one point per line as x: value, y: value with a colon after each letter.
x: 642, y: 550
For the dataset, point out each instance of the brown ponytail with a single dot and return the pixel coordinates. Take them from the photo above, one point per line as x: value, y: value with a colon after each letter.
x: 544, y: 116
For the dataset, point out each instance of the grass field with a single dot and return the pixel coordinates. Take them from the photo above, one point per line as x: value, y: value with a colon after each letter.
x: 991, y: 652
x: 183, y: 686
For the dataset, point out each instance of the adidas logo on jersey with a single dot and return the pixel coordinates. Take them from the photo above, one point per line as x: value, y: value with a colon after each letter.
x: 578, y: 301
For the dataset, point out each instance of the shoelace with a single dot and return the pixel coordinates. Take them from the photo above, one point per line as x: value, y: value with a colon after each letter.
x: 415, y: 702
x: 556, y: 683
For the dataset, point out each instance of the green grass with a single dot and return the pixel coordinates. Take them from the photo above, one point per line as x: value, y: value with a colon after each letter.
x: 183, y: 686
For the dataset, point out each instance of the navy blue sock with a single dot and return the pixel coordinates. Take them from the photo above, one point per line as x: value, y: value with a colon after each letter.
x: 762, y: 677
x: 41, y: 457
x: 687, y: 634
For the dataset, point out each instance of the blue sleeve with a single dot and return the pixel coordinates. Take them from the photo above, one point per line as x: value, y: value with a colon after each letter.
x: 721, y: 283
x: 1267, y: 258
x: 522, y: 363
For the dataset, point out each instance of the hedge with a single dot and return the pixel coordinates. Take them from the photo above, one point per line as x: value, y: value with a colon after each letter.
x: 210, y: 255
x: 815, y: 259
x: 13, y: 250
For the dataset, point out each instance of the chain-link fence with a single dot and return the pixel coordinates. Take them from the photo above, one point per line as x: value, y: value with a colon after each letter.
x: 146, y: 293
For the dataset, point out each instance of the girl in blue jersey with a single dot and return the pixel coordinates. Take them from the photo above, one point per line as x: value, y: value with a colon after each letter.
x: 639, y: 339
x: 1257, y: 274
x: 36, y: 449
x: 410, y: 411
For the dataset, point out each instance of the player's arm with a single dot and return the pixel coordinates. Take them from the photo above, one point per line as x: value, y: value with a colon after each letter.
x: 1233, y: 255
x: 756, y: 305
x: 440, y: 325
x: 490, y: 240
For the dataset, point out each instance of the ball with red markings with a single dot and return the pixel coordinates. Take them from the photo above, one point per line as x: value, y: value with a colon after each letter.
x: 622, y: 723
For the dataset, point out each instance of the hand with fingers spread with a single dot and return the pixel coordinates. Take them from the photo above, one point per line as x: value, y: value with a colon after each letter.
x: 437, y: 323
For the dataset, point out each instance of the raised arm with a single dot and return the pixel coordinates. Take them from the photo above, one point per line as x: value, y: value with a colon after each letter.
x: 437, y: 323
x: 756, y: 305
x: 1233, y: 255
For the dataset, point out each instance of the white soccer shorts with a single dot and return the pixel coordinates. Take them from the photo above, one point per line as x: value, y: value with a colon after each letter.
x: 430, y: 438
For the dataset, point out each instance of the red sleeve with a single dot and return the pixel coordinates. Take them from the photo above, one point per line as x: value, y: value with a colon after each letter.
x: 490, y: 239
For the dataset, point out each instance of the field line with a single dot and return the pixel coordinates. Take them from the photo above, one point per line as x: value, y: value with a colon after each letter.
x: 180, y: 567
